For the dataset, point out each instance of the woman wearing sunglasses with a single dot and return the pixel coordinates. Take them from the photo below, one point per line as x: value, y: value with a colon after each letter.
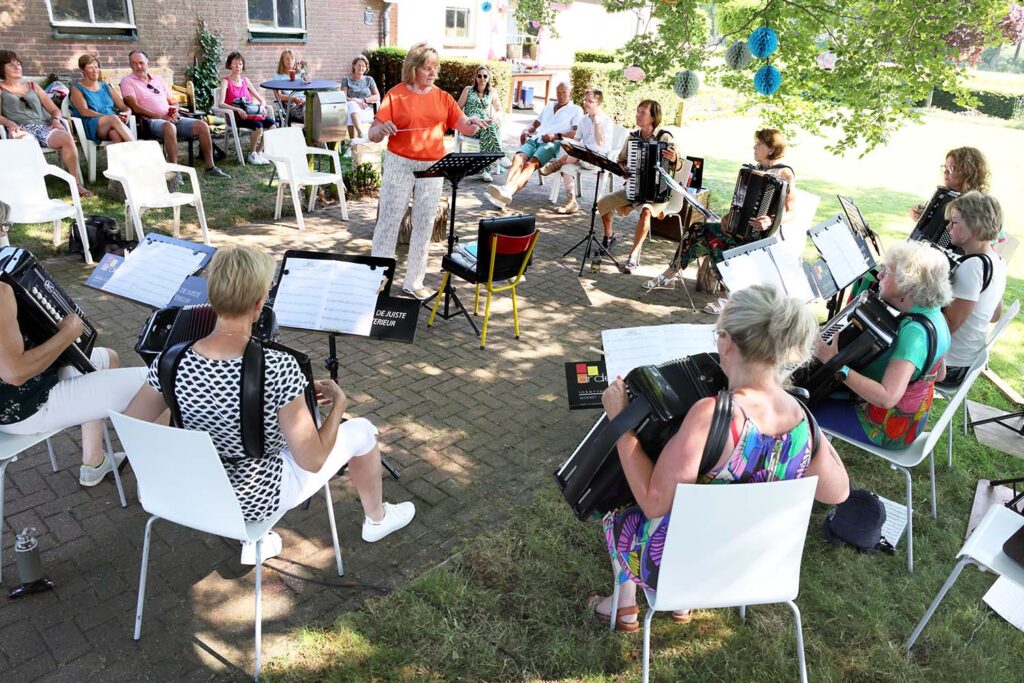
x: 478, y: 100
x: 27, y: 111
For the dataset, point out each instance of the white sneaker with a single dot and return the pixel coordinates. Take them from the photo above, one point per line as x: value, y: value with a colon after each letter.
x: 487, y: 177
x: 255, y: 159
x: 271, y: 548
x: 90, y: 475
x: 395, y: 517
x: 497, y: 196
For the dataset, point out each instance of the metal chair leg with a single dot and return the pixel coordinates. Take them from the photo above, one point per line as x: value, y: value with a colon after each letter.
x: 615, y: 604
x: 931, y: 473
x: 334, y: 529
x: 949, y: 446
x: 964, y: 561
x: 53, y: 455
x: 743, y: 614
x: 259, y: 613
x: 3, y: 470
x: 647, y: 644
x: 910, y: 520
x: 142, y: 577
x: 117, y: 474
x: 799, y: 641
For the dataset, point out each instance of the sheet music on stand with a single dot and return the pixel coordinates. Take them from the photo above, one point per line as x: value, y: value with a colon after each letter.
x: 767, y: 261
x: 689, y: 197
x: 581, y: 151
x: 155, y: 272
x: 630, y: 347
x: 841, y: 250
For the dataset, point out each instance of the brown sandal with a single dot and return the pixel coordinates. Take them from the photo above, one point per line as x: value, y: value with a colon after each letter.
x: 620, y: 624
x: 682, y: 617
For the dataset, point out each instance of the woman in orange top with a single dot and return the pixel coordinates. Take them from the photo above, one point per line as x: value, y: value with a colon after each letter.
x: 414, y: 116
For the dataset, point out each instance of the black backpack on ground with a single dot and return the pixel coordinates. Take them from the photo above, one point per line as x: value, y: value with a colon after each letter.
x: 104, y: 238
x: 857, y: 522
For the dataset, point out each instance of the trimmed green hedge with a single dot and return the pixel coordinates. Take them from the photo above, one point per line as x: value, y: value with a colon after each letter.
x: 994, y: 104
x: 620, y: 102
x: 594, y: 56
x: 456, y: 73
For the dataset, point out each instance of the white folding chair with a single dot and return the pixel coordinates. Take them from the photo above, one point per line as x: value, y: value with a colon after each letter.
x: 232, y: 127
x: 90, y: 150
x: 923, y: 447
x: 614, y: 145
x: 23, y: 170
x: 13, y: 445
x: 287, y: 148
x: 141, y: 169
x: 182, y: 480
x: 717, y: 555
x: 984, y: 549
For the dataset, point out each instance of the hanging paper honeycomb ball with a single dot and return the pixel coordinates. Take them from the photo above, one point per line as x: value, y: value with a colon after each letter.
x: 634, y: 73
x: 827, y: 60
x: 767, y: 80
x: 763, y: 42
x: 686, y: 84
x: 738, y: 56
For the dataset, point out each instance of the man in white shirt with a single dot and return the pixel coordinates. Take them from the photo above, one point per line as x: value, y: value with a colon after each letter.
x: 539, y: 144
x: 594, y: 133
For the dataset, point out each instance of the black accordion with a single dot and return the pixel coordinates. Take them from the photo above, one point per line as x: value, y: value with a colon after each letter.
x: 867, y: 327
x: 645, y: 163
x: 42, y: 303
x: 757, y: 194
x: 660, y: 396
x: 931, y: 226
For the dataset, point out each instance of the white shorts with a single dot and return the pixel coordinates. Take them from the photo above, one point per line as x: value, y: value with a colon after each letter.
x: 355, y: 438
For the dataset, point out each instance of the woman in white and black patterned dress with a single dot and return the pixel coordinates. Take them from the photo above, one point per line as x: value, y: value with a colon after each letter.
x: 299, y: 458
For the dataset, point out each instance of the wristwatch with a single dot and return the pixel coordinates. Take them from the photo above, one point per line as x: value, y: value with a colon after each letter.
x: 842, y: 373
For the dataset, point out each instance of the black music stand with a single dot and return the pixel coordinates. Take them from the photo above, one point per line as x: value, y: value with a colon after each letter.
x: 455, y: 167
x: 603, y: 164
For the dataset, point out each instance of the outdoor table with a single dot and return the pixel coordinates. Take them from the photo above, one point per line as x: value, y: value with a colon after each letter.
x: 520, y: 77
x: 290, y: 87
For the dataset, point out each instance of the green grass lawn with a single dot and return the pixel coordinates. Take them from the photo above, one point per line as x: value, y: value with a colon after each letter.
x: 997, y: 81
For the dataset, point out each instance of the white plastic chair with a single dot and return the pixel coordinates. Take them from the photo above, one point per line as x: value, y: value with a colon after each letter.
x: 50, y: 151
x: 13, y: 445
x: 793, y: 233
x: 286, y: 147
x: 23, y: 186
x: 617, y: 140
x: 90, y: 150
x: 141, y: 169
x: 984, y: 549
x: 923, y: 447
x: 717, y: 555
x: 231, y: 128
x: 182, y: 480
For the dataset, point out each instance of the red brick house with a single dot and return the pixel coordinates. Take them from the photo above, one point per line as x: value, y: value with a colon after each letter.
x: 50, y: 35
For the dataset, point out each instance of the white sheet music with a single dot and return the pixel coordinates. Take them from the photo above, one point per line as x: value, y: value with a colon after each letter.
x: 791, y: 270
x: 328, y: 295
x: 771, y: 264
x: 895, y: 521
x: 1007, y: 599
x: 841, y: 252
x: 630, y: 347
x: 153, y: 272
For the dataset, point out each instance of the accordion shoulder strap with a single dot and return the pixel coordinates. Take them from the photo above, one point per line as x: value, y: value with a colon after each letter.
x: 717, y: 434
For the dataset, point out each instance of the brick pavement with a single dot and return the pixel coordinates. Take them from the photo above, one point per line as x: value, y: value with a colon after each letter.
x: 474, y: 432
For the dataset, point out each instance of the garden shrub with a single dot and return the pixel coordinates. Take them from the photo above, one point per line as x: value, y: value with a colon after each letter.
x: 456, y: 73
x: 620, y: 96
x: 595, y: 56
x: 995, y: 104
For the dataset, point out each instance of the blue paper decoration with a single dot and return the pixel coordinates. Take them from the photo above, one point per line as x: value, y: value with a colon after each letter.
x: 763, y: 42
x: 738, y: 56
x: 767, y: 80
x: 686, y: 84
x: 486, y: 7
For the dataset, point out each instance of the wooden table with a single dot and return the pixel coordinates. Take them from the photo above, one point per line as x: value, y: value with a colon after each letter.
x: 519, y: 78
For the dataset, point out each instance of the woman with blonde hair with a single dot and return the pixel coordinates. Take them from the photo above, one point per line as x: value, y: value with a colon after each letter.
x: 760, y: 333
x: 286, y: 63
x: 889, y: 399
x: 964, y: 169
x: 99, y: 105
x: 414, y: 116
x: 299, y: 458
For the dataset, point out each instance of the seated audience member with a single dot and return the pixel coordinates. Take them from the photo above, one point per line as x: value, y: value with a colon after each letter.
x: 760, y: 332
x: 769, y: 149
x: 98, y: 105
x: 975, y: 219
x: 595, y: 133
x: 151, y: 100
x: 891, y: 397
x: 964, y: 169
x: 362, y: 94
x: 539, y: 144
x: 299, y: 458
x: 237, y: 94
x: 27, y: 111
x: 648, y: 120
x: 38, y: 394
x: 285, y: 65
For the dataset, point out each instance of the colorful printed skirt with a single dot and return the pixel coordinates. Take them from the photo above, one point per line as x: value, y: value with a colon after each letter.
x: 636, y: 543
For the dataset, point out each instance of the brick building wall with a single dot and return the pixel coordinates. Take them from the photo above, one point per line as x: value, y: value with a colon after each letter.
x: 167, y: 31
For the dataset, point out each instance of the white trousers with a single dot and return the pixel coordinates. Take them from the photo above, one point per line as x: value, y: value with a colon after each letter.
x: 357, y: 112
x: 397, y: 185
x: 355, y: 438
x: 77, y: 398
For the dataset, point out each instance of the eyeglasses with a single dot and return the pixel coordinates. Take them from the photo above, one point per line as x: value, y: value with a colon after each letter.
x: 947, y: 167
x: 883, y: 270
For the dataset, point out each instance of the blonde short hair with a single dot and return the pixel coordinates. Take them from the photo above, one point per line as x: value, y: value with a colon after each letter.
x: 418, y: 55
x: 237, y: 278
x: 920, y: 273
x: 980, y: 212
x: 769, y: 327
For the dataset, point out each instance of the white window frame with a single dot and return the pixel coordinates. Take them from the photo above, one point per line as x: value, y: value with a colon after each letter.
x: 63, y: 23
x: 455, y: 41
x: 287, y: 30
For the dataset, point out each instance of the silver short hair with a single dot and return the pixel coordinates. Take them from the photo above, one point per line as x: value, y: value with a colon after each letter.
x: 920, y: 273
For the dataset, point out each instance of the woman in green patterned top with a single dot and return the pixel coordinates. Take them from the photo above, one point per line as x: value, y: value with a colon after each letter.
x: 479, y: 100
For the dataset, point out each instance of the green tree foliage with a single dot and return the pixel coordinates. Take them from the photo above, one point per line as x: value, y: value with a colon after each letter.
x: 543, y: 12
x: 205, y: 72
x: 890, y: 54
